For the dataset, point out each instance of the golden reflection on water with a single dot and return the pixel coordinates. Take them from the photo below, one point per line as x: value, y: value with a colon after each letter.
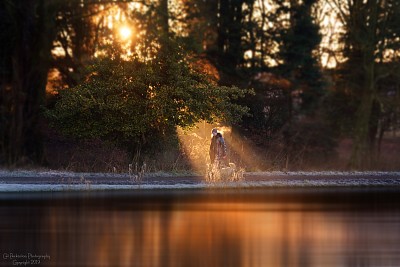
x: 219, y: 234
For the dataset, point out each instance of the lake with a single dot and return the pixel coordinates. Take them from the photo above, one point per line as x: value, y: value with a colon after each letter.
x: 202, y: 227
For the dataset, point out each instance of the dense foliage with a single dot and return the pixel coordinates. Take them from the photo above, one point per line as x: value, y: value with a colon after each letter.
x: 135, y: 102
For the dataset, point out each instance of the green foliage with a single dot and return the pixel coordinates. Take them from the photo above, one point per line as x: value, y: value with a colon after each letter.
x: 135, y: 102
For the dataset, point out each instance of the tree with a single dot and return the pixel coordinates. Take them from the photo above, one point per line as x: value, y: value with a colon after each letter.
x: 299, y: 37
x: 219, y: 26
x: 136, y: 103
x: 77, y: 38
x: 28, y: 30
x: 370, y: 42
x: 28, y: 33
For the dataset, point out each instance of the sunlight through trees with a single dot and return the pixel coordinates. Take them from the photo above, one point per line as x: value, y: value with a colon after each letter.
x: 339, y: 61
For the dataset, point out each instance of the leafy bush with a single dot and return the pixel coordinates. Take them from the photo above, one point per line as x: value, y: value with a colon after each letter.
x: 138, y: 103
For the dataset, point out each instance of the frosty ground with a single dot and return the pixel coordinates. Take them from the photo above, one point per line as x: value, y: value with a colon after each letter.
x: 33, y: 181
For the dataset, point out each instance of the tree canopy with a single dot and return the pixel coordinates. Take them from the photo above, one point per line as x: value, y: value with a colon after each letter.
x: 133, y: 101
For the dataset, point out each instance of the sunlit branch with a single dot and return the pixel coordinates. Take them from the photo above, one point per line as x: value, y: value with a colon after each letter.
x: 335, y: 5
x: 92, y: 14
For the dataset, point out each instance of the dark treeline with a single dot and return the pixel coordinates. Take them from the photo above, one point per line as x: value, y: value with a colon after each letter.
x: 275, y: 70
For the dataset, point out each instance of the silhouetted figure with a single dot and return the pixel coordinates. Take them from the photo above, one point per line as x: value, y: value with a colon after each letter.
x: 217, y: 147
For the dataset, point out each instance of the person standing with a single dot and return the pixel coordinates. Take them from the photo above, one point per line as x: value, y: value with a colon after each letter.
x: 217, y: 147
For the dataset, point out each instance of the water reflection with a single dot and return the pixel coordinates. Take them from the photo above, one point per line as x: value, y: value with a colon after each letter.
x: 202, y: 231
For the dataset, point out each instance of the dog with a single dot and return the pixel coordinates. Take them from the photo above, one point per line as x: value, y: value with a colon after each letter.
x: 228, y: 172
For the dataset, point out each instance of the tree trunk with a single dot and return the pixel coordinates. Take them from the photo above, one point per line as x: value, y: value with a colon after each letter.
x: 253, y: 44
x: 30, y: 53
x: 362, y: 151
x: 366, y: 38
x: 230, y: 26
x: 164, y: 17
x: 262, y: 30
x: 223, y: 23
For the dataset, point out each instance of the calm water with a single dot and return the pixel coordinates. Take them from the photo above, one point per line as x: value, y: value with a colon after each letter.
x: 202, y: 228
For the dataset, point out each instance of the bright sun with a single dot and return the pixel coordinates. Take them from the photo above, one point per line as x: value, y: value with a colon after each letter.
x: 125, y: 32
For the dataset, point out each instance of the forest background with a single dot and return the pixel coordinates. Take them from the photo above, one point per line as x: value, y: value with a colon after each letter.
x: 99, y: 85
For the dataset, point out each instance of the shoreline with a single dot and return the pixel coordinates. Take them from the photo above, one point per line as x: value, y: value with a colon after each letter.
x: 58, y: 181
